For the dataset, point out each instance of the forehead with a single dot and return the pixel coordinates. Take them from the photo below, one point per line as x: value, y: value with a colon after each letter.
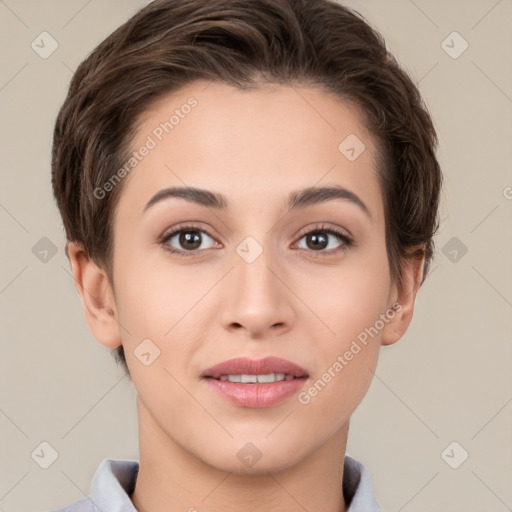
x: 251, y: 144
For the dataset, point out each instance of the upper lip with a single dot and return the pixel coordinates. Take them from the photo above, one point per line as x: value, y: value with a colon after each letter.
x: 246, y: 366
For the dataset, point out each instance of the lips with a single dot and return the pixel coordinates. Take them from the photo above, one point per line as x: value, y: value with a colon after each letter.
x: 245, y: 366
x: 256, y: 383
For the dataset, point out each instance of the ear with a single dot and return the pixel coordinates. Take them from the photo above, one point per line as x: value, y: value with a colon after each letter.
x: 97, y: 296
x: 402, y: 298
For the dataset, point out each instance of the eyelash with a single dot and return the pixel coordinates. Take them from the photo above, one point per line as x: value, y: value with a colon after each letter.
x: 348, y: 241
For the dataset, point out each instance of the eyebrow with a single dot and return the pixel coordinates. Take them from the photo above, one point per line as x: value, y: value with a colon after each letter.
x: 299, y: 199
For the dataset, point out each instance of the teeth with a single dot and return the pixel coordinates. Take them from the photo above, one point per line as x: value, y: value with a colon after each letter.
x: 252, y: 379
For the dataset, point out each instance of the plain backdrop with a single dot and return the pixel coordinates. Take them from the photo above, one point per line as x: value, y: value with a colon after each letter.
x: 441, y: 394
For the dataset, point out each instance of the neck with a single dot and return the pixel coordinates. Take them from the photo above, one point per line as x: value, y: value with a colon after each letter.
x: 172, y: 479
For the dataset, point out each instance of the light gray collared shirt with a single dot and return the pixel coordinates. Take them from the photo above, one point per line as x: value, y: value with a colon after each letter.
x: 114, y: 482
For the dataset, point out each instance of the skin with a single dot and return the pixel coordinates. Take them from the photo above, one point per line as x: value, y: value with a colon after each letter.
x: 303, y: 304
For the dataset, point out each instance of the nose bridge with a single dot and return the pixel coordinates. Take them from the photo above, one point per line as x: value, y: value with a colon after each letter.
x: 255, y: 281
x: 258, y: 300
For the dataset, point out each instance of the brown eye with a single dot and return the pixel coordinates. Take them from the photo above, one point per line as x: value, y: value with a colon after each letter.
x: 187, y: 239
x: 317, y: 240
x: 190, y: 239
x: 324, y: 240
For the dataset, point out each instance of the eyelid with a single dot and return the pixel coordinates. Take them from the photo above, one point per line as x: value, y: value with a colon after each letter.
x: 325, y: 226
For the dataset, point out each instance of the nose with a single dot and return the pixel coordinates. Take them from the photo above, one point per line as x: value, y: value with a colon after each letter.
x: 258, y: 300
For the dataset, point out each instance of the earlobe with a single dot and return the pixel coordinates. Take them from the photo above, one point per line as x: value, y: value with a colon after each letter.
x: 404, y: 295
x: 97, y: 296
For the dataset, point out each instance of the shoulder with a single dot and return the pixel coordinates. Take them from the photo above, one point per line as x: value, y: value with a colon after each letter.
x: 111, y: 487
x: 83, y: 505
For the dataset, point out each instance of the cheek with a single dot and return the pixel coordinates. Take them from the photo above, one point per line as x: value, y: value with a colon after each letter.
x: 346, y: 353
x: 166, y: 303
x: 355, y: 302
x: 350, y: 303
x: 350, y: 297
x: 154, y: 293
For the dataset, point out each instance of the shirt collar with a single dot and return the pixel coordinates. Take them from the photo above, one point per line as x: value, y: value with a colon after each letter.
x: 357, y: 487
x: 114, y: 482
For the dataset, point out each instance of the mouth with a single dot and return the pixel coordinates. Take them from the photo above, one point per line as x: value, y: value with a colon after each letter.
x: 251, y: 371
x: 257, y: 379
x: 256, y: 383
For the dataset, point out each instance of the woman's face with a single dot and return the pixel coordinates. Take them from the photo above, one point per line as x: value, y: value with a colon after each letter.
x: 260, y: 273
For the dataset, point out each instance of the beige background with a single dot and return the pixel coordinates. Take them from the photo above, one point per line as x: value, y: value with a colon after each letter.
x: 448, y: 379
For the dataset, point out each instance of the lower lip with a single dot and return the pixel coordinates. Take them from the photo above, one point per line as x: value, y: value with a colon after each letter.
x: 256, y: 395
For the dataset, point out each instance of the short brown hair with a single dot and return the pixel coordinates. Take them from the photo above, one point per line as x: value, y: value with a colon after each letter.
x: 170, y: 43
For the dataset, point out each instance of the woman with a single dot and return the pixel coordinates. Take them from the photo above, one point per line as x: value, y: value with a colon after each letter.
x: 250, y: 194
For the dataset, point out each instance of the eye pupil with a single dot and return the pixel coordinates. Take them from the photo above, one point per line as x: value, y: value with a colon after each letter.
x: 318, y: 241
x: 190, y: 237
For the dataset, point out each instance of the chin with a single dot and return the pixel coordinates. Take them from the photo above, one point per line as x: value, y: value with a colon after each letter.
x: 255, y: 457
